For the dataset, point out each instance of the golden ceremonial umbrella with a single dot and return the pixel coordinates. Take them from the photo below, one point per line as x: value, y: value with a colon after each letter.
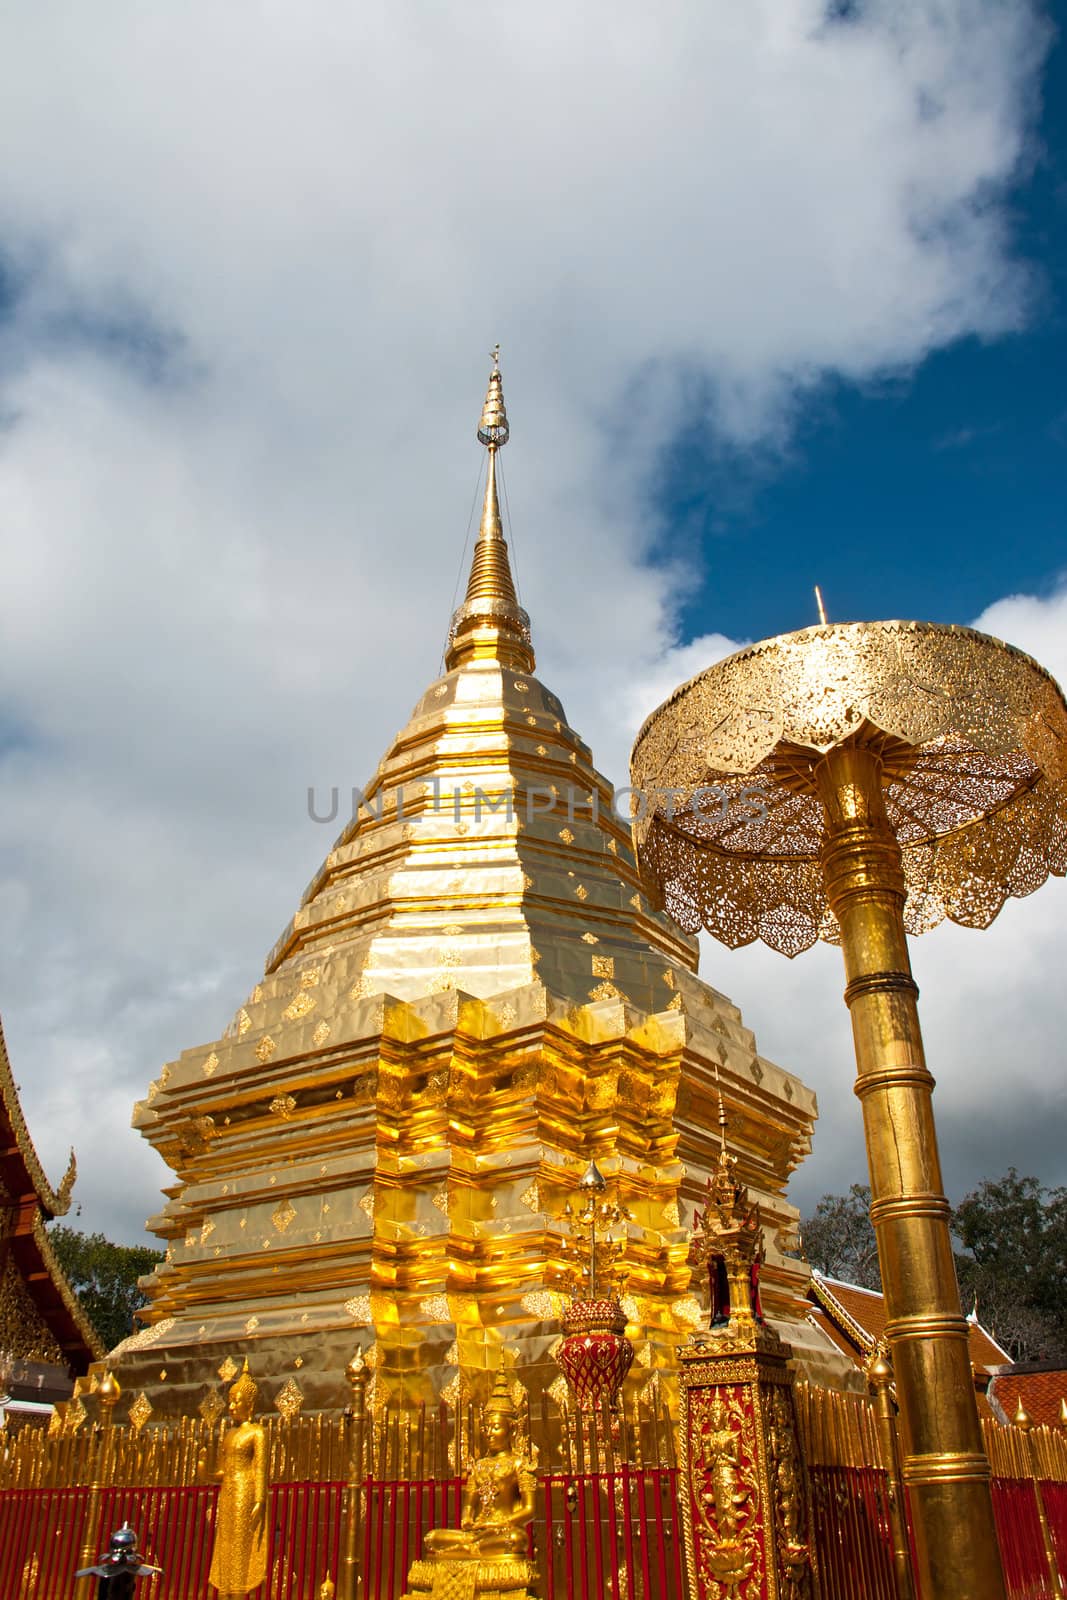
x: 856, y: 783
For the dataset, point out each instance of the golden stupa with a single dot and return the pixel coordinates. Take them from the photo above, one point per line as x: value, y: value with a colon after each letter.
x: 473, y: 1000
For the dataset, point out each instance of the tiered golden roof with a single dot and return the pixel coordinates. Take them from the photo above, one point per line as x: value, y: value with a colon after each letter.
x: 473, y: 1000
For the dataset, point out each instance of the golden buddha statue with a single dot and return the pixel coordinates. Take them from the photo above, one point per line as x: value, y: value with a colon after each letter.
x: 487, y: 1552
x: 239, y: 1559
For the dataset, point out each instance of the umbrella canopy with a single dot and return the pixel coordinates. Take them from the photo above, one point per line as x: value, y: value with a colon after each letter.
x: 972, y: 739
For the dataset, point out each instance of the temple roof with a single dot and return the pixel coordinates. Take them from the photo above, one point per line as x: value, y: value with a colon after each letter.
x: 1040, y: 1385
x: 27, y: 1202
x: 21, y: 1172
x: 855, y: 1320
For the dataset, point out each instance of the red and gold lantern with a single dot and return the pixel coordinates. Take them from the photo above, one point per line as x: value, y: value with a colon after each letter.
x: 594, y: 1355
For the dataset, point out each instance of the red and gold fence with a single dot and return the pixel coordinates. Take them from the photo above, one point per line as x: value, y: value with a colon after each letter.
x: 607, y: 1528
x: 607, y: 1522
x: 850, y: 1495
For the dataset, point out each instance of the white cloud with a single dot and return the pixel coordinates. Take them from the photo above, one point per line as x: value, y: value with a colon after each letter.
x: 257, y: 255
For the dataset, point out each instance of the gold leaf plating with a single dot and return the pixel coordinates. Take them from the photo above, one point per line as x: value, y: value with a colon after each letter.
x: 140, y: 1411
x: 211, y: 1407
x: 289, y: 1399
x: 299, y: 1007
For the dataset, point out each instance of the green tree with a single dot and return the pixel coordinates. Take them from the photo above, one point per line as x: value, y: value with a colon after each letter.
x: 1013, y: 1263
x: 1011, y: 1257
x: 838, y: 1238
x: 104, y: 1278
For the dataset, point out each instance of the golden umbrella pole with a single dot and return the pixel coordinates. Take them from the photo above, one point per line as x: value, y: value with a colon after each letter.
x: 945, y: 1466
x: 857, y: 783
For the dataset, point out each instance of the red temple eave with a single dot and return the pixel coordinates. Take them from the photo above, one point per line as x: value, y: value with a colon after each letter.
x: 31, y: 1202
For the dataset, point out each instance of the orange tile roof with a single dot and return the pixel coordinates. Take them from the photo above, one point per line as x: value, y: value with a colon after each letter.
x: 860, y: 1317
x: 1040, y: 1392
x: 829, y: 1327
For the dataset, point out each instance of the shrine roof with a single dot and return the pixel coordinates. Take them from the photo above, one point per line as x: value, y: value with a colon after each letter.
x: 1042, y: 1388
x: 27, y: 1202
x: 21, y: 1172
x: 856, y: 1318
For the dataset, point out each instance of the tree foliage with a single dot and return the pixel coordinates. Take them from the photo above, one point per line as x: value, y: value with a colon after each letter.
x: 104, y: 1278
x: 839, y: 1240
x: 1013, y: 1263
x: 1011, y: 1257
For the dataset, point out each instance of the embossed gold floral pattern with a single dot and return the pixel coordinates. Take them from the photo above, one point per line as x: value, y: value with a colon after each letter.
x: 289, y: 1399
x: 140, y: 1411
x: 972, y: 735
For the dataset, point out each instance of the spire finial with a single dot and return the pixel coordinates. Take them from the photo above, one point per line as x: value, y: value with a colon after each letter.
x: 493, y: 430
x: 490, y: 622
x: 723, y: 1120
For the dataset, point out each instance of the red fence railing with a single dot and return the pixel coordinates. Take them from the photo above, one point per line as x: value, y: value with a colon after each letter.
x: 853, y: 1541
x: 43, y: 1532
x: 600, y: 1535
x: 616, y: 1535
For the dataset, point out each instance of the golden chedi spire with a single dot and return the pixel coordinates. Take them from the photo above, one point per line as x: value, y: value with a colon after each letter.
x: 490, y: 624
x: 472, y: 1001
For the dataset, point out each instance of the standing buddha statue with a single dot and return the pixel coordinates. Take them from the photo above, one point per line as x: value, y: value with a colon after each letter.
x: 239, y: 1559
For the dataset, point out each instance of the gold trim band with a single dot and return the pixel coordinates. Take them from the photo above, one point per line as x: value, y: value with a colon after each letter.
x: 896, y: 1077
x: 910, y: 1205
x: 880, y: 983
x: 960, y: 1467
x: 926, y: 1324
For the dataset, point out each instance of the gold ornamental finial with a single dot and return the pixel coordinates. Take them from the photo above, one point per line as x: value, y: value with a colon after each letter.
x: 490, y: 623
x: 493, y: 430
x: 822, y: 608
x: 1021, y: 1418
x: 722, y: 1120
x: 1063, y: 1412
x: 592, y: 1180
x: 879, y: 1372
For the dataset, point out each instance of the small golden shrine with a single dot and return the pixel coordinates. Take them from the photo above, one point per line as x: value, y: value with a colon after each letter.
x: 473, y: 1001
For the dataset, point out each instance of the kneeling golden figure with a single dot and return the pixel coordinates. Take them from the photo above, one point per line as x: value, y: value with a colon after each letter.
x: 486, y: 1554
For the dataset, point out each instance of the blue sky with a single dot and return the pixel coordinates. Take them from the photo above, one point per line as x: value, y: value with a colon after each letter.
x: 928, y: 492
x: 781, y: 299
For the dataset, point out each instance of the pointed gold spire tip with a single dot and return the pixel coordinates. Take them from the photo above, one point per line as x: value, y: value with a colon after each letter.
x: 490, y: 623
x: 493, y: 430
